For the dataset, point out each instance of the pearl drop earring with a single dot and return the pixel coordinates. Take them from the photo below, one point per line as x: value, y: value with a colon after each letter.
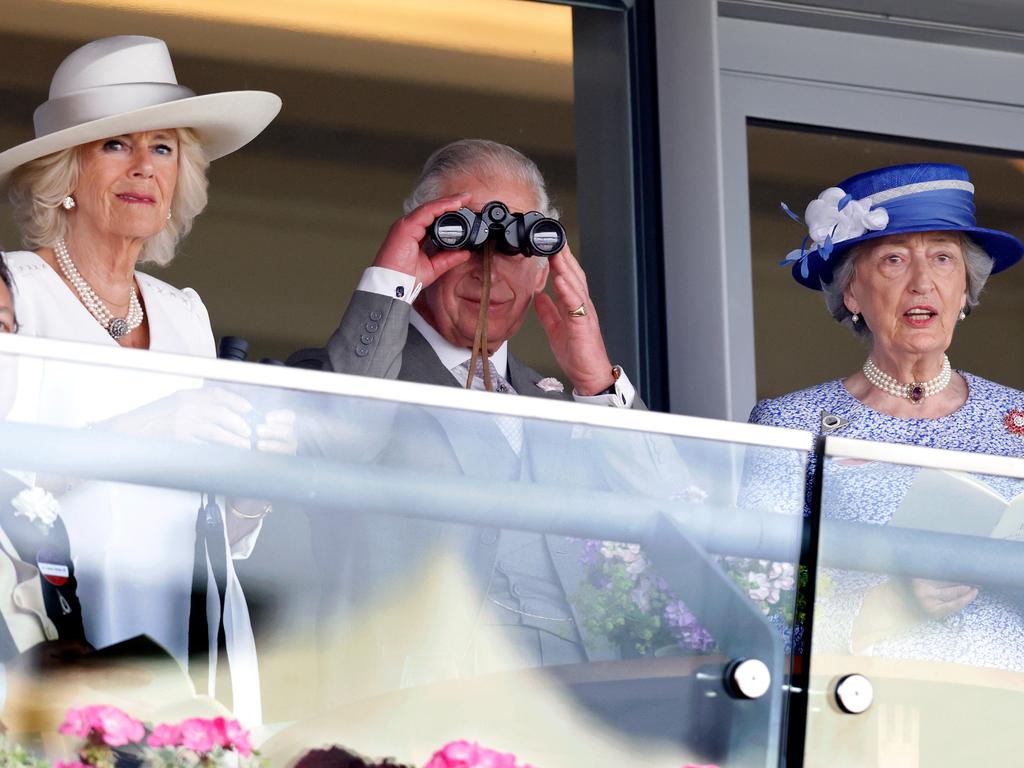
x: 67, y: 203
x: 855, y: 318
x: 963, y: 315
x: 168, y: 214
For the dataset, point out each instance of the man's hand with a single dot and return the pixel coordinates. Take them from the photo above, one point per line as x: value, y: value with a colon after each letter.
x: 576, y: 341
x: 403, y: 250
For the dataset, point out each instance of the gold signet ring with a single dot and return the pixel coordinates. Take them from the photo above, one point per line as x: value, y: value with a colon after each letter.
x: 580, y: 311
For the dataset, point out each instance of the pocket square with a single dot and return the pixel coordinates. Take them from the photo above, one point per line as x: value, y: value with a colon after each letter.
x: 550, y: 384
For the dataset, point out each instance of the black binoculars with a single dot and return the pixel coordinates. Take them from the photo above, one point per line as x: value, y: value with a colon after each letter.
x: 531, y: 234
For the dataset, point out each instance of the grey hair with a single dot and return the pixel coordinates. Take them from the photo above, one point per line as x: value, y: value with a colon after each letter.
x: 977, y: 262
x: 38, y: 188
x: 488, y: 159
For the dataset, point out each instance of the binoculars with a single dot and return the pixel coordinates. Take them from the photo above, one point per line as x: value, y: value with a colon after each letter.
x: 531, y: 234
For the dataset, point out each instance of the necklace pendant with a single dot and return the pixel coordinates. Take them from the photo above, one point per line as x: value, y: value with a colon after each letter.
x: 916, y: 393
x: 118, y: 328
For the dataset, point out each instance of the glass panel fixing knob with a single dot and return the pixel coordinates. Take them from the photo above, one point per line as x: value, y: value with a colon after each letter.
x: 854, y: 694
x: 747, y: 678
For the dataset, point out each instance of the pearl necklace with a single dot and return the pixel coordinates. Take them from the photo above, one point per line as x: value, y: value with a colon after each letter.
x: 915, y: 391
x: 117, y: 327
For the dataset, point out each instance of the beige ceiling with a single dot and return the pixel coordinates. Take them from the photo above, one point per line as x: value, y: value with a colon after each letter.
x: 498, y: 46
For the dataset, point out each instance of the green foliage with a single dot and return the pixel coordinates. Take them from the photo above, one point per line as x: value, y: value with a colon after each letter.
x: 627, y: 613
x: 14, y: 755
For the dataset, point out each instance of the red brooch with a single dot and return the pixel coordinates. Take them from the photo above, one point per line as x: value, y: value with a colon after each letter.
x: 1014, y: 422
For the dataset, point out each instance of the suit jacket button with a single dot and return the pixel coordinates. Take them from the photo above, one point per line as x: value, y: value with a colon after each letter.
x: 362, y: 351
x: 376, y: 315
x: 365, y: 339
x: 372, y: 327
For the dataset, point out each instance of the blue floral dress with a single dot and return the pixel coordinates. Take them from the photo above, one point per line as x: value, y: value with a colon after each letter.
x: 989, y: 631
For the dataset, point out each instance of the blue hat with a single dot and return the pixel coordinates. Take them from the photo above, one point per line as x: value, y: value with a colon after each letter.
x: 925, y: 197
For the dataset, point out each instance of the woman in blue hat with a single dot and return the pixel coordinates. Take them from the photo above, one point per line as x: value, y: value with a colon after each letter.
x: 901, y: 262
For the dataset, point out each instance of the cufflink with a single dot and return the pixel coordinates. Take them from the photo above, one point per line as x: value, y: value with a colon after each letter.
x: 616, y: 372
x: 400, y: 291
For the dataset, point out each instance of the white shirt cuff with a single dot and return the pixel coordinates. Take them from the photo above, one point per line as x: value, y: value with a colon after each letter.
x: 621, y: 397
x: 391, y: 283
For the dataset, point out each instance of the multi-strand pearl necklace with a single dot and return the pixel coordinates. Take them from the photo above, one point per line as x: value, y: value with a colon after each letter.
x: 117, y: 327
x: 915, y: 391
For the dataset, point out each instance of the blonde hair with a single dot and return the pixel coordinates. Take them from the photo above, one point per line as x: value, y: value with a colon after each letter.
x: 39, y: 187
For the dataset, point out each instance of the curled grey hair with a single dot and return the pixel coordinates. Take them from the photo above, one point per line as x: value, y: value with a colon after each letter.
x: 978, y: 265
x: 39, y: 186
x: 488, y: 159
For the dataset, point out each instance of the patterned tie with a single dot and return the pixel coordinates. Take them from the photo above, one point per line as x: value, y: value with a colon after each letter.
x: 511, y: 426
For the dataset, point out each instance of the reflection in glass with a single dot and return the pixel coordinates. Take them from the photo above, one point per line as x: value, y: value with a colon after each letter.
x: 418, y: 580
x: 918, y: 591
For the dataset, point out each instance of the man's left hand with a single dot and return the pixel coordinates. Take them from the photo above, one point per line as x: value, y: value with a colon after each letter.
x: 575, y: 338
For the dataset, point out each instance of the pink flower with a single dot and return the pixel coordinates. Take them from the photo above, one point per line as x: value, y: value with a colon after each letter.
x: 115, y: 727
x: 76, y: 764
x: 198, y: 735
x: 109, y: 724
x: 203, y: 736
x: 466, y: 754
x: 165, y: 736
x: 76, y: 723
x: 231, y: 735
x: 237, y: 738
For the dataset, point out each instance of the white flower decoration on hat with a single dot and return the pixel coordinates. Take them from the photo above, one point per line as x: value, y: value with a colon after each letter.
x: 38, y: 506
x: 835, y: 216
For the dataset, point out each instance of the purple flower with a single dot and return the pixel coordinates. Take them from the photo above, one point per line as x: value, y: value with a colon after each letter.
x: 678, y: 615
x: 591, y: 553
x: 685, y: 629
x: 642, y: 597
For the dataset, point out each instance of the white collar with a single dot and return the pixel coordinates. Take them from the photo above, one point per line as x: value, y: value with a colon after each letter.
x: 452, y: 356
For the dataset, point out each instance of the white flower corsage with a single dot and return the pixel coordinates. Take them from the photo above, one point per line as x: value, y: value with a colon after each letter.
x: 837, y: 216
x: 833, y: 218
x: 38, y: 506
x: 550, y: 384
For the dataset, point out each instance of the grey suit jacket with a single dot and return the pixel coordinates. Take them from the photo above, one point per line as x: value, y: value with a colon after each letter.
x: 364, y: 556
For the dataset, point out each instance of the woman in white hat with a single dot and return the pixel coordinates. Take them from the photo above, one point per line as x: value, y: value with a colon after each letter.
x: 114, y: 178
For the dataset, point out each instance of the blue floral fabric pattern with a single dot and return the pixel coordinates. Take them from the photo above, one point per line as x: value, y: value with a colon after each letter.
x: 989, y: 631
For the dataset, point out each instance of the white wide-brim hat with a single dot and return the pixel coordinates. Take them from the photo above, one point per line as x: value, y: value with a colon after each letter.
x: 126, y: 84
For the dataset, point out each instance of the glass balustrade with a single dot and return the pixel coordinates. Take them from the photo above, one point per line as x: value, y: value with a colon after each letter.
x: 918, y: 642
x: 397, y: 565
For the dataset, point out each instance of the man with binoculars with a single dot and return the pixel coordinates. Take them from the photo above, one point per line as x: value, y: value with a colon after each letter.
x: 429, y: 274
x: 428, y: 310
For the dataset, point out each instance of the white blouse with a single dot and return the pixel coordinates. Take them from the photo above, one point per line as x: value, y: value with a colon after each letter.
x: 133, y: 545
